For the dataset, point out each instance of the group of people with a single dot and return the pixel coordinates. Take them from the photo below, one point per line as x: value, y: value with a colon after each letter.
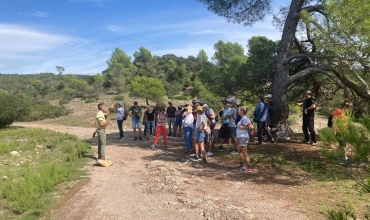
x: 196, y: 123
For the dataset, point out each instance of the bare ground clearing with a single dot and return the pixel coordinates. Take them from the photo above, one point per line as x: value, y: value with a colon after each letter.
x: 147, y: 184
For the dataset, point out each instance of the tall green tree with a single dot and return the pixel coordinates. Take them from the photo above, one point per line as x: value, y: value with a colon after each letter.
x: 60, y: 69
x: 225, y: 51
x: 148, y: 88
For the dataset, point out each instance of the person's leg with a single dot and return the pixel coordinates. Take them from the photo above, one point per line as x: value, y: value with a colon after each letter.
x: 139, y: 127
x: 164, y: 134
x: 99, y: 145
x: 146, y: 129
x: 119, y: 124
x: 102, y: 140
x: 260, y: 131
x: 267, y: 130
x: 311, y: 128
x: 180, y: 129
x: 201, y: 148
x: 158, y: 132
x: 175, y: 129
x: 152, y: 125
x: 134, y: 126
x: 188, y: 133
x: 241, y: 155
x: 169, y: 126
x: 305, y: 130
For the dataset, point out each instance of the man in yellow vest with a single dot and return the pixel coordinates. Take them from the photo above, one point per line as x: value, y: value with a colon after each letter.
x: 101, y: 125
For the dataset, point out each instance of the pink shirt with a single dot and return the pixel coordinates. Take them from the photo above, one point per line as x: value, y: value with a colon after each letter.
x: 161, y: 119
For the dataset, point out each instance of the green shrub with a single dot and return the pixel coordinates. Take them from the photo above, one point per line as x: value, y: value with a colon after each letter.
x: 64, y: 100
x: 13, y: 108
x: 341, y: 214
x: 42, y: 111
x: 119, y: 98
x: 90, y: 100
x: 181, y: 97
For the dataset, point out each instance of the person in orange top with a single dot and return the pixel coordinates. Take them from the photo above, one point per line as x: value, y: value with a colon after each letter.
x: 340, y: 122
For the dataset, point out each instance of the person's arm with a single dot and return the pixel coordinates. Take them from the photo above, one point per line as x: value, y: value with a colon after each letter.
x: 299, y: 103
x: 249, y: 126
x: 213, y: 116
x: 312, y: 107
x: 102, y: 123
x: 145, y: 117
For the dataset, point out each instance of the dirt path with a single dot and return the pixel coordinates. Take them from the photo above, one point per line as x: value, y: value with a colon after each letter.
x: 147, y: 184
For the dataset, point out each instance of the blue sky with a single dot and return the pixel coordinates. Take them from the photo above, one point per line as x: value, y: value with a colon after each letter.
x: 80, y: 35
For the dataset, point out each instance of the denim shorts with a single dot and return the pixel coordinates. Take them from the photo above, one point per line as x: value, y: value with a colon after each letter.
x: 178, y: 123
x: 136, y: 123
x: 199, y: 136
x: 232, y: 132
x: 171, y: 121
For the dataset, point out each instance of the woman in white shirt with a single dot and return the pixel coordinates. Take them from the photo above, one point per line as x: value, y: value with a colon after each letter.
x: 243, y: 126
x: 188, y: 129
x: 199, y: 135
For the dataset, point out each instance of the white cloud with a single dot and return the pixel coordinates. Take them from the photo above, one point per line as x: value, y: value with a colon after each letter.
x: 95, y: 2
x: 116, y: 28
x: 36, y: 14
x: 29, y: 50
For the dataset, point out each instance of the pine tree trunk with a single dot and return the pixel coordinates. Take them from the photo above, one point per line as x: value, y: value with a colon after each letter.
x: 281, y: 76
x: 147, y: 101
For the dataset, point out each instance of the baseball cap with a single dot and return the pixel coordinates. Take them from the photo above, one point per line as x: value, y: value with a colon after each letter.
x: 268, y: 96
x: 199, y: 108
x: 197, y: 101
x: 170, y: 102
x: 233, y: 100
x: 205, y: 106
x: 308, y: 92
x: 224, y: 100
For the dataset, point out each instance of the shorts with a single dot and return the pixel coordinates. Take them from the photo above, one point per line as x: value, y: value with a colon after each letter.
x: 178, y: 123
x: 171, y: 121
x: 232, y: 132
x: 199, y: 136
x: 208, y: 137
x: 225, y: 131
x: 243, y: 142
x: 136, y: 123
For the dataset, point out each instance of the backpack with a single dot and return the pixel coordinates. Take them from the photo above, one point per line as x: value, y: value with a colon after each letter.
x: 238, y: 117
x: 217, y: 118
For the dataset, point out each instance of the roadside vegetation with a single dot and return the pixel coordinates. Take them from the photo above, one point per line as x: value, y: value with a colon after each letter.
x: 37, y: 167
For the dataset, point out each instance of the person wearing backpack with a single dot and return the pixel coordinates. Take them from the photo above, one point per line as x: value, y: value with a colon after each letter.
x: 234, y: 118
x: 261, y: 116
x: 120, y: 119
x: 136, y: 113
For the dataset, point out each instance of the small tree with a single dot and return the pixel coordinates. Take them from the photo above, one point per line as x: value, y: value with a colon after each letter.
x: 148, y: 88
x: 60, y: 69
x: 12, y: 108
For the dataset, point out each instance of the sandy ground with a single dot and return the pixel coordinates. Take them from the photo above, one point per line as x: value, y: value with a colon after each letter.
x: 159, y: 184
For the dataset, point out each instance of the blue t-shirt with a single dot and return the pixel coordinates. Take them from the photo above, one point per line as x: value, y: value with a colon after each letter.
x: 179, y: 117
x: 226, y: 120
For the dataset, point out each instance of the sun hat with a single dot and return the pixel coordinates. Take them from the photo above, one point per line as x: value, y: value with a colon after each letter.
x: 199, y: 108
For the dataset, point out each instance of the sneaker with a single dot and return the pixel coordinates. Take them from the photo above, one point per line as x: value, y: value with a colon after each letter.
x: 313, y: 143
x: 305, y: 142
x: 140, y: 138
x: 152, y: 146
x: 165, y: 147
x: 188, y: 152
x: 135, y: 139
x: 208, y: 154
x: 147, y: 138
x: 228, y: 149
x: 180, y: 135
x: 234, y: 152
x: 169, y: 134
x: 243, y: 169
x: 102, y: 158
x: 122, y: 138
x: 195, y: 158
x: 200, y: 156
x: 248, y: 170
x: 347, y: 161
x: 221, y: 148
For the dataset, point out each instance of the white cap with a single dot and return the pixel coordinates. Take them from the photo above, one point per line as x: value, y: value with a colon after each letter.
x: 205, y: 106
x: 268, y: 96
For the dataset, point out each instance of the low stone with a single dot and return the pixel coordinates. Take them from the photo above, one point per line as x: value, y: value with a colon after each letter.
x: 22, y: 161
x: 15, y: 153
x: 39, y: 146
x: 5, y: 177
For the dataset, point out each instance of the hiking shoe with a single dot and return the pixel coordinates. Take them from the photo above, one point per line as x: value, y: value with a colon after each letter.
x: 102, y: 158
x: 347, y: 161
x: 188, y: 152
x: 165, y: 147
x: 234, y: 152
x: 140, y: 138
x: 313, y: 143
x: 221, y: 148
x: 147, y: 138
x: 135, y: 139
x: 208, y: 154
x: 195, y: 158
x: 152, y: 146
x: 122, y: 138
x: 228, y: 149
x: 305, y: 142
